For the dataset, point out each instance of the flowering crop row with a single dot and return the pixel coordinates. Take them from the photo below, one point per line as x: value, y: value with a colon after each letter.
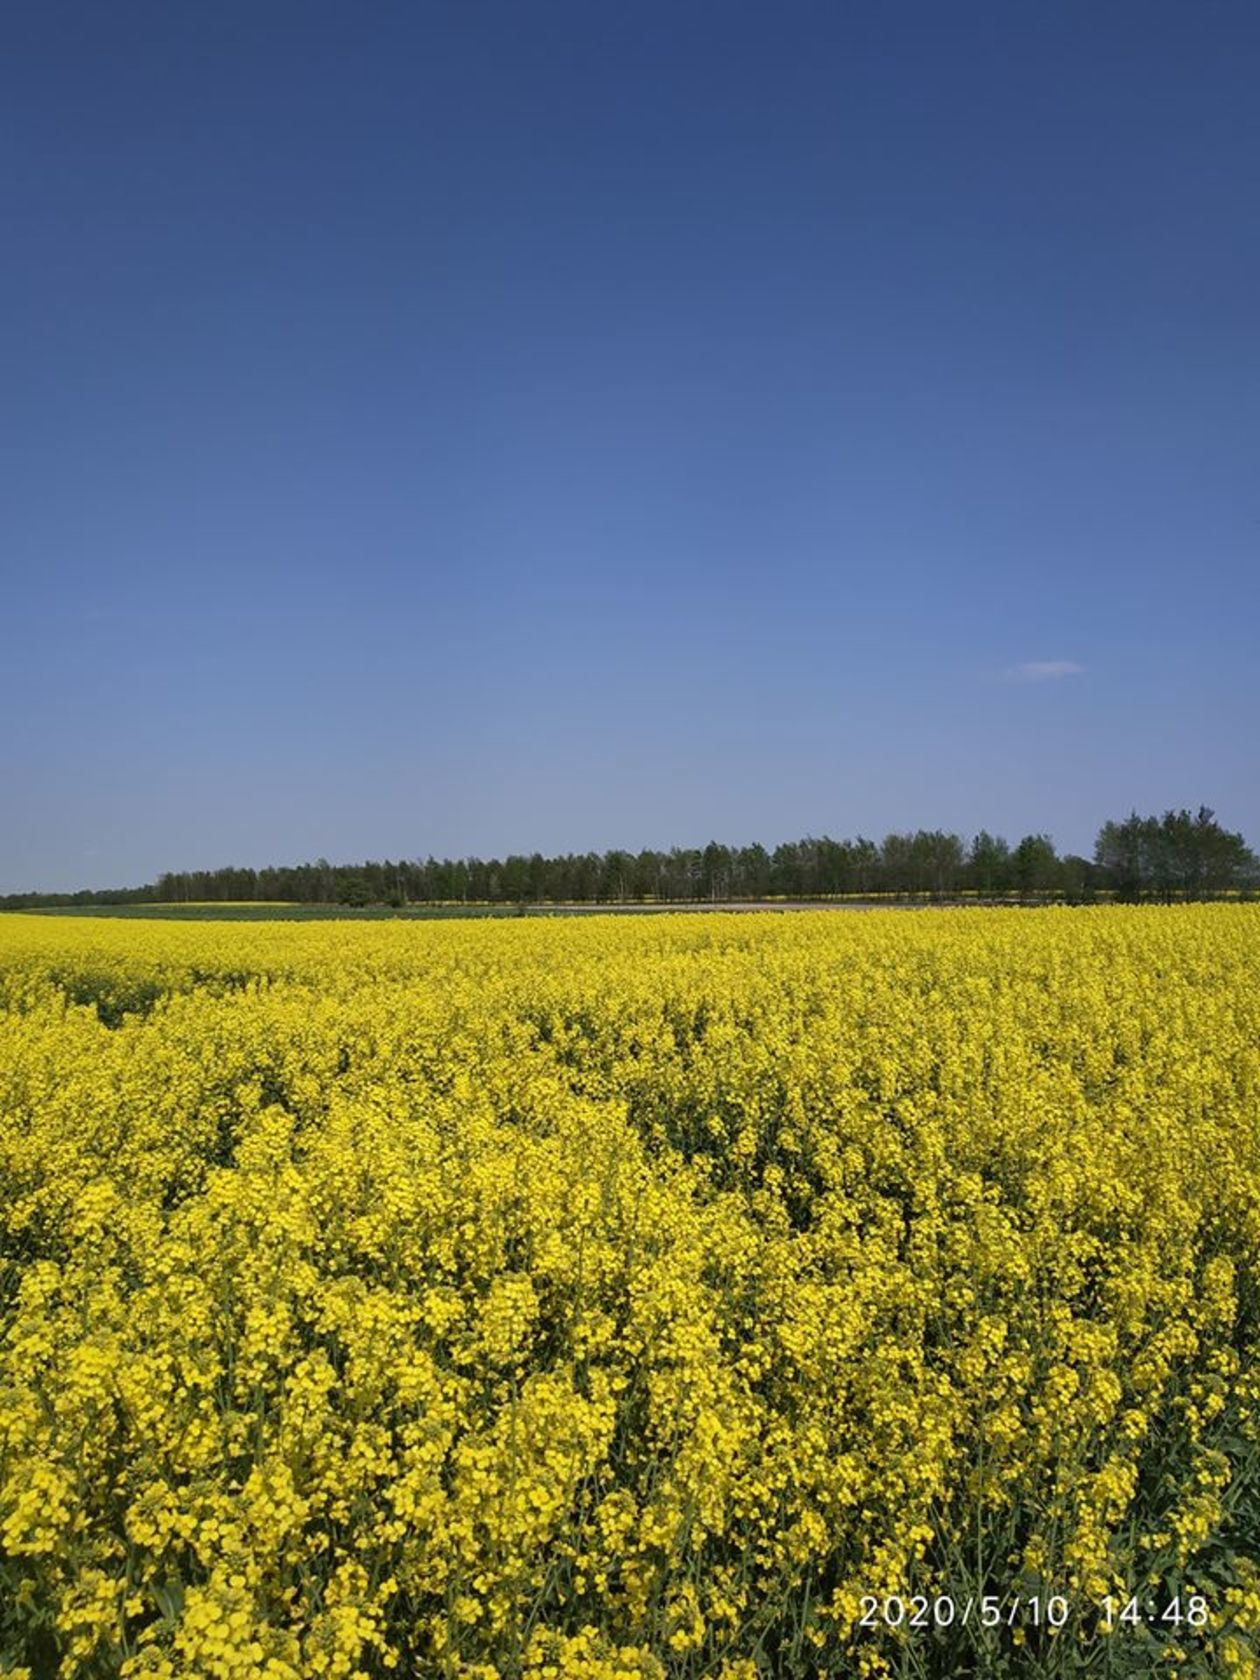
x: 629, y: 1298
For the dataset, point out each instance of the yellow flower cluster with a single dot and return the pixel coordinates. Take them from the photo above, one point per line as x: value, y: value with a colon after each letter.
x: 627, y: 1298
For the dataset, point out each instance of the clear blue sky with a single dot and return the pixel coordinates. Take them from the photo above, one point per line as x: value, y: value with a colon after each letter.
x: 479, y: 427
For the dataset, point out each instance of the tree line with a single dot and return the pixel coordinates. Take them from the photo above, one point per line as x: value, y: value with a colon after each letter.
x: 1177, y: 856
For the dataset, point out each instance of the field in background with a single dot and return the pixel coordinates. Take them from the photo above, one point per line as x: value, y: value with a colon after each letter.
x: 631, y: 1298
x: 246, y: 910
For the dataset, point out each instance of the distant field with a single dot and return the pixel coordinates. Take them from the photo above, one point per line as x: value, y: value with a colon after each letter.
x: 411, y: 912
x: 254, y: 911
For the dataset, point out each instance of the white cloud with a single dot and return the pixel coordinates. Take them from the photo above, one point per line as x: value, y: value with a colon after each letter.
x: 1043, y: 670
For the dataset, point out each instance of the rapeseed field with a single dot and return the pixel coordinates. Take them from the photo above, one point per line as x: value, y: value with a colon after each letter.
x: 623, y: 1299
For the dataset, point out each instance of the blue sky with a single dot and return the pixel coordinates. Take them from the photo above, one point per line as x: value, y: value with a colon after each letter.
x: 488, y: 427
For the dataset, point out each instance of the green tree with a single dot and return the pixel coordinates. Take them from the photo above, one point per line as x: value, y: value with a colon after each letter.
x: 353, y: 887
x: 989, y: 864
x: 1034, y: 865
